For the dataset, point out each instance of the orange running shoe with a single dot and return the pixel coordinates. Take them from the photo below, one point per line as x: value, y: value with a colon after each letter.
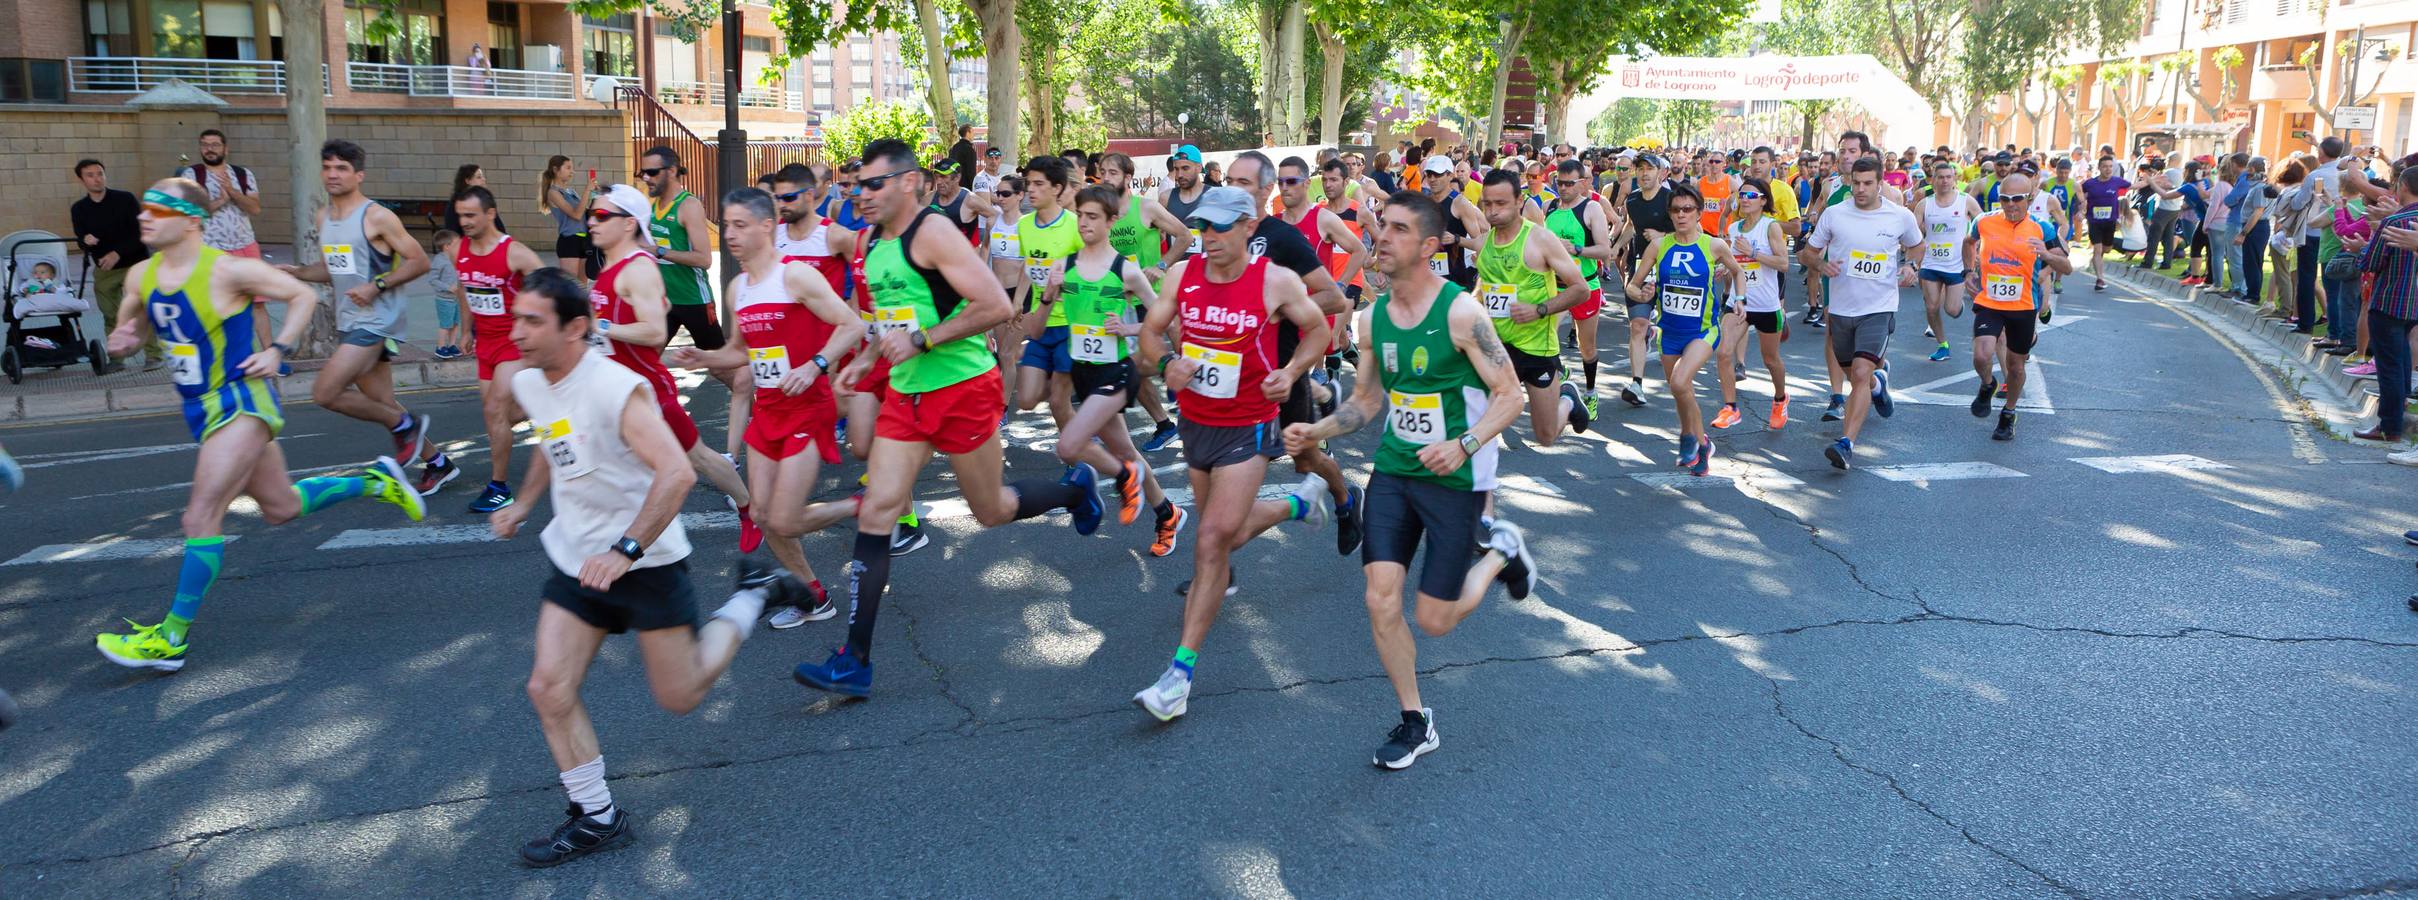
x: 1779, y: 413
x: 1168, y: 529
x: 1129, y: 493
x: 1728, y: 417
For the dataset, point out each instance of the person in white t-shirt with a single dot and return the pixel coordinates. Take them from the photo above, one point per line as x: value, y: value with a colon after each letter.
x: 1868, y: 249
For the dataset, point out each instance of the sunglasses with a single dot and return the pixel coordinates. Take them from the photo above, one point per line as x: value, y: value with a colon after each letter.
x: 1199, y: 224
x: 1565, y: 184
x: 161, y: 212
x: 650, y: 173
x: 867, y: 184
x: 791, y: 197
x: 1003, y: 193
x: 2013, y: 198
x: 606, y: 215
x: 1749, y: 195
x: 1292, y: 180
x: 1677, y: 209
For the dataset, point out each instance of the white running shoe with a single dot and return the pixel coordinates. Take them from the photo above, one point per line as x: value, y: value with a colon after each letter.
x: 2407, y: 457
x: 1167, y: 698
x: 1313, y: 491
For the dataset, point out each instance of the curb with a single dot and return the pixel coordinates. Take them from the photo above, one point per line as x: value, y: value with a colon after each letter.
x: 102, y: 402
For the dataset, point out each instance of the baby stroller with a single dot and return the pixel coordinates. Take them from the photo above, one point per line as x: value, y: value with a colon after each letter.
x: 45, y: 326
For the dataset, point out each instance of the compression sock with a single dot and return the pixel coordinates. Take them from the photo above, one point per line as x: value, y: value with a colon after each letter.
x: 868, y: 575
x: 203, y: 556
x: 1036, y: 497
x: 1836, y: 399
x: 439, y: 461
x: 909, y: 520
x: 328, y: 490
x: 1296, y: 508
x: 1184, y: 658
x: 1588, y: 366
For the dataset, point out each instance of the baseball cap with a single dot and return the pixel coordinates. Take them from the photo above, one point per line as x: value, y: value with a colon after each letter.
x: 627, y: 199
x: 1223, y: 205
x: 945, y: 167
x: 1437, y: 164
x: 1188, y: 152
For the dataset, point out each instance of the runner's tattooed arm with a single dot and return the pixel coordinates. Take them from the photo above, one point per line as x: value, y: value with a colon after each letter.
x: 1475, y: 335
x: 1361, y: 408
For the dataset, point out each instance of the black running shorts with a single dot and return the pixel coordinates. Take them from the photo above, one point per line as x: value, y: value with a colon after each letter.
x: 641, y: 600
x: 1403, y: 510
x: 698, y: 318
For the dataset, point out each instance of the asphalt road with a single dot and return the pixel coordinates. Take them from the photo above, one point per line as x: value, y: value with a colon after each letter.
x: 2189, y: 681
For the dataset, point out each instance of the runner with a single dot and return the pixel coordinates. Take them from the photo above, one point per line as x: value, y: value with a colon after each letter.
x: 1457, y: 261
x: 963, y: 208
x: 1682, y: 267
x: 1760, y: 246
x: 2006, y: 256
x: 1715, y: 185
x: 367, y: 257
x: 1445, y: 397
x: 1007, y: 264
x: 491, y: 266
x: 1525, y: 286
x: 1226, y: 305
x: 791, y: 324
x: 1648, y: 208
x: 2101, y: 198
x: 1183, y: 193
x: 1865, y: 249
x: 1948, y: 219
x: 1134, y: 239
x: 632, y: 325
x: 1577, y: 217
x: 1102, y: 292
x: 1046, y: 235
x: 685, y: 254
x: 933, y: 301
x: 806, y: 237
x: 1329, y: 238
x: 618, y: 558
x: 199, y: 301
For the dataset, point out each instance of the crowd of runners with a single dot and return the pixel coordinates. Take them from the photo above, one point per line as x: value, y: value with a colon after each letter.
x: 893, y: 308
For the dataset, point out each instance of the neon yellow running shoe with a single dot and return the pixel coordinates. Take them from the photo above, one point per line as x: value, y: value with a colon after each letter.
x: 145, y: 648
x: 387, y: 482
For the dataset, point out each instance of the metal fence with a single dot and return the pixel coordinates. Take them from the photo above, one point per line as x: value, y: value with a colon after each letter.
x: 462, y: 81
x: 136, y: 74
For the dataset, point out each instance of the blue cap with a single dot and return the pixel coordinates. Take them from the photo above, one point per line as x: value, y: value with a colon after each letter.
x: 1188, y: 152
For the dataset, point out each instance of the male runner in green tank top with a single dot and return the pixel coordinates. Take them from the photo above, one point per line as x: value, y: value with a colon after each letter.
x: 1517, y: 280
x: 1134, y: 240
x: 1578, y: 219
x: 1441, y: 377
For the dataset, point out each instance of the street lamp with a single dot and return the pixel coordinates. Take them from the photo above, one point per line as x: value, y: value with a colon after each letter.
x: 1182, y: 122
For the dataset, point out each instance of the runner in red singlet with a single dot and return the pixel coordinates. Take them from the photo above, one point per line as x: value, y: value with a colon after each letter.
x: 491, y: 265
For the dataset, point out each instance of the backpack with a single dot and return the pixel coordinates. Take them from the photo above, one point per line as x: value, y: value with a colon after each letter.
x: 243, y: 177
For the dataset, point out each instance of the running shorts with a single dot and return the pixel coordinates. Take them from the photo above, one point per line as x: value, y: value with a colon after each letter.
x: 955, y: 419
x: 492, y: 349
x: 1209, y: 447
x: 1299, y: 408
x: 1402, y: 510
x: 1104, y: 380
x: 1938, y: 277
x: 363, y: 337
x: 571, y: 246
x: 1861, y: 336
x: 785, y: 429
x: 203, y: 423
x: 1590, y: 308
x: 2020, y: 328
x: 684, y: 428
x: 1533, y: 370
x: 647, y: 599
x: 698, y: 318
x: 2103, y: 233
x: 1767, y: 322
x: 1675, y: 340
x: 1048, y: 352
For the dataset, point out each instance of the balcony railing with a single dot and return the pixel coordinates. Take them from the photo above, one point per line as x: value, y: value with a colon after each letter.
x: 701, y: 93
x: 461, y: 81
x: 136, y: 74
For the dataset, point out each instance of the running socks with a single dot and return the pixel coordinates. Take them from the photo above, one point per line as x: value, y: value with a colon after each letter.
x: 909, y: 519
x: 868, y: 576
x: 328, y: 490
x: 1184, y: 658
x: 203, y: 557
x: 1036, y: 497
x: 1164, y: 511
x: 405, y: 425
x: 1588, y: 366
x: 1296, y: 508
x: 585, y: 784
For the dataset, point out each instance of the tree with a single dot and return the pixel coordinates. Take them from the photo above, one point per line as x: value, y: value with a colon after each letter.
x: 1187, y: 69
x: 1923, y: 38
x: 846, y: 135
x: 1685, y: 119
x: 2005, y: 38
x: 306, y: 119
x: 2226, y: 60
x: 2118, y: 80
x: 2062, y: 82
x: 2346, y: 93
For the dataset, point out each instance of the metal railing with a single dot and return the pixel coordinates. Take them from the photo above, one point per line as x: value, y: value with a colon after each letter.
x: 705, y: 93
x: 135, y: 74
x: 651, y: 125
x: 461, y: 81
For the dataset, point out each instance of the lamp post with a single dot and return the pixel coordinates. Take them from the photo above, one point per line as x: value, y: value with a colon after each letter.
x: 1183, y: 122
x: 731, y: 145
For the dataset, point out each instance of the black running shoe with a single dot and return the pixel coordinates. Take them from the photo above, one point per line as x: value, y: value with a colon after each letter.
x: 1408, y: 741
x: 2006, y: 427
x: 1519, y: 570
x: 1347, y: 521
x: 577, y: 836
x: 1981, y: 400
x: 1185, y: 588
x: 753, y: 573
x: 1160, y: 437
x: 905, y: 539
x: 1580, y: 415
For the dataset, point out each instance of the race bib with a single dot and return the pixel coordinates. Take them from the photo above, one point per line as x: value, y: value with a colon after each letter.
x: 597, y: 340
x: 1092, y: 343
x: 1007, y: 247
x: 1415, y: 418
x: 184, y: 363
x: 1036, y: 271
x: 561, y: 446
x: 895, y: 318
x: 1498, y: 298
x: 2102, y: 213
x: 1939, y: 253
x: 1868, y: 265
x: 1438, y: 265
x: 340, y: 259
x: 484, y: 301
x: 770, y: 365
x: 2003, y: 288
x: 662, y: 242
x: 1195, y: 250
x: 1683, y: 301
x: 1219, y: 371
x: 1753, y: 270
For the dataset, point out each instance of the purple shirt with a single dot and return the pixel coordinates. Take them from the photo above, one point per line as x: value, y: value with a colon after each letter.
x: 2104, y: 194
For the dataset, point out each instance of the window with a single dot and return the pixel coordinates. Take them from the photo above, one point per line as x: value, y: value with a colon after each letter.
x: 504, y: 36
x: 822, y: 98
x: 227, y: 30
x: 109, y: 28
x: 756, y: 43
x: 33, y: 81
x: 860, y: 73
x: 176, y: 29
x: 609, y: 46
x: 419, y: 37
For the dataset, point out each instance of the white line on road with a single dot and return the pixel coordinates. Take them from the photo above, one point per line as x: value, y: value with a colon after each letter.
x: 425, y: 535
x: 84, y: 456
x: 101, y: 551
x: 1953, y: 471
x: 2164, y: 465
x: 1682, y: 481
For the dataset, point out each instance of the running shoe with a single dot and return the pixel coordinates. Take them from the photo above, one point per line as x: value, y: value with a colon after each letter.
x: 411, y: 442
x: 1880, y: 394
x: 753, y: 573
x: 1941, y: 354
x: 386, y: 483
x: 143, y: 648
x: 1313, y: 492
x: 1779, y: 418
x: 8, y: 711
x: 1129, y: 494
x: 906, y: 538
x: 1728, y: 416
x: 1167, y: 698
x: 2101, y: 286
x: 2407, y: 457
x: 1519, y: 569
x: 2411, y: 537
x: 1168, y: 528
x: 1841, y: 455
x: 1928, y: 334
x: 842, y: 674
x: 807, y: 603
x: 1409, y: 741
x: 435, y: 477
x: 1160, y: 438
x: 1837, y: 409
x: 1981, y: 399
x: 1580, y: 415
x: 577, y: 836
x: 446, y: 351
x: 12, y: 476
x: 1631, y: 393
x: 1184, y: 588
x: 750, y: 536
x: 1704, y: 458
x: 1687, y: 450
x: 2001, y: 392
x: 1087, y: 508
x: 492, y: 498
x: 1593, y: 412
x: 1348, y: 520
x: 2006, y: 427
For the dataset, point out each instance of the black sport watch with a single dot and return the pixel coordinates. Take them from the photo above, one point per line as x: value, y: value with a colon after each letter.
x: 281, y: 348
x: 629, y: 546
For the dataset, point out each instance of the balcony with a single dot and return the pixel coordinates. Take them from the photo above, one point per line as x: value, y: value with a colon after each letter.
x: 700, y: 93
x: 2279, y: 82
x: 461, y: 81
x: 136, y: 74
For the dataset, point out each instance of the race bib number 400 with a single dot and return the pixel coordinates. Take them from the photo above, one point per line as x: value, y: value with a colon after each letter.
x: 1218, y: 374
x: 1868, y: 265
x: 1415, y: 418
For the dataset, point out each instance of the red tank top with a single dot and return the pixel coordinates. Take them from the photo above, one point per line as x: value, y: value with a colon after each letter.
x: 782, y: 335
x: 488, y: 287
x: 647, y: 361
x: 815, y: 250
x: 864, y: 295
x: 1225, y: 332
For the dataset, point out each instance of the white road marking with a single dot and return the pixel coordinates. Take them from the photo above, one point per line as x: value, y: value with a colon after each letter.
x: 426, y: 535
x: 85, y: 456
x: 1756, y: 476
x: 1954, y: 471
x: 102, y: 551
x: 2035, y: 384
x: 2166, y: 464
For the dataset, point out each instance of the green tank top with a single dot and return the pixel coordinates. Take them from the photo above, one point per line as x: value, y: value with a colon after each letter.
x: 1043, y: 245
x: 1432, y: 394
x: 1133, y: 237
x: 1566, y: 224
x: 1504, y: 279
x: 907, y: 297
x: 682, y: 285
x: 1090, y: 307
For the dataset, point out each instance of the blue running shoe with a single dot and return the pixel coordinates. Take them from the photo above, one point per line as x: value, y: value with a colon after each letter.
x: 1687, y: 449
x: 1087, y: 510
x: 12, y: 476
x: 1841, y: 454
x: 495, y: 497
x: 1880, y: 394
x: 1704, y: 458
x: 842, y: 674
x: 1941, y: 354
x: 2410, y: 536
x: 1160, y: 438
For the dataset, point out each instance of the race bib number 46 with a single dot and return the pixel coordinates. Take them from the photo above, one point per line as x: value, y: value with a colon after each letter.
x: 1415, y: 418
x: 1218, y: 372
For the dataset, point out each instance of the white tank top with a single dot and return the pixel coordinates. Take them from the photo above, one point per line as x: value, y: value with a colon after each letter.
x: 817, y: 241
x: 1760, y: 288
x: 595, y: 482
x: 1944, y: 233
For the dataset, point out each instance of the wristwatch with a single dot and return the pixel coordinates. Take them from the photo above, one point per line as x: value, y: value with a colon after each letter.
x: 628, y: 546
x: 281, y: 348
x: 1469, y: 444
x: 820, y: 364
x: 379, y: 281
x: 917, y: 338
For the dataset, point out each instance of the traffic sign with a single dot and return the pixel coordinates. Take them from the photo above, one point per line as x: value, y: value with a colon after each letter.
x: 2355, y: 118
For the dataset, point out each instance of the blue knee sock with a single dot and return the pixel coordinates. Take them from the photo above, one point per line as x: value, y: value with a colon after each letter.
x: 203, y: 556
x: 325, y: 491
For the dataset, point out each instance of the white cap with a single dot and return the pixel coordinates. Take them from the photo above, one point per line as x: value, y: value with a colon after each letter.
x: 1438, y: 163
x: 627, y: 199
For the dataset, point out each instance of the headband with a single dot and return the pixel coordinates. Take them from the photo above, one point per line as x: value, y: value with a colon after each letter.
x: 182, y: 206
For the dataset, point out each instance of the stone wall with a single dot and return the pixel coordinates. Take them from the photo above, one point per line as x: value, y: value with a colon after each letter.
x: 412, y: 155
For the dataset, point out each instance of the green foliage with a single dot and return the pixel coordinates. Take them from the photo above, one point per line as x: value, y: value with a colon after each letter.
x: 1178, y: 70
x: 846, y: 135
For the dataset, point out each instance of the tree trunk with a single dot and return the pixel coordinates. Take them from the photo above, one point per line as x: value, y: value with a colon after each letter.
x: 936, y: 64
x: 1003, y: 44
x: 1042, y: 101
x: 1557, y: 90
x: 1289, y: 45
x: 1330, y: 84
x: 1504, y: 56
x: 1271, y: 74
x: 306, y: 119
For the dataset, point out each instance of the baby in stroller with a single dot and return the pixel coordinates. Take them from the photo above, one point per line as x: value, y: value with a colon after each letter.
x: 45, y: 280
x: 43, y: 313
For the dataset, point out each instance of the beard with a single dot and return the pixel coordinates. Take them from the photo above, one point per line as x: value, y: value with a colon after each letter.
x: 213, y: 159
x: 793, y: 216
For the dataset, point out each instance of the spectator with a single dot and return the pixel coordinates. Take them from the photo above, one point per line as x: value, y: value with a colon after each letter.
x: 107, y: 227
x: 468, y: 176
x: 448, y: 284
x: 569, y: 213
x: 2293, y: 244
x: 482, y: 72
x: 234, y: 200
x: 963, y: 150
x: 2194, y: 191
x: 2250, y: 198
x: 2219, y: 225
x: 2392, y: 310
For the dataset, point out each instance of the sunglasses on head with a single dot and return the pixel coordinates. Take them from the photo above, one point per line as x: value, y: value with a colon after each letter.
x: 650, y: 173
x: 1199, y: 224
